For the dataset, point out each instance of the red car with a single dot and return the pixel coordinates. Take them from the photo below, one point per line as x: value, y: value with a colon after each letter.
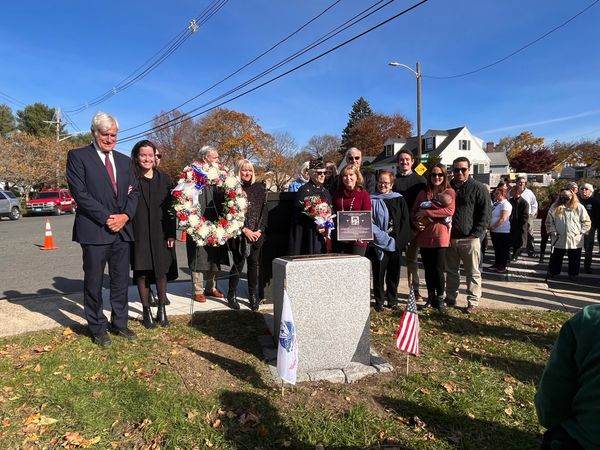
x: 52, y: 201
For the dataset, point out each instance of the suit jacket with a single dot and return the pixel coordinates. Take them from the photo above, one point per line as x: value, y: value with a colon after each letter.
x: 91, y: 188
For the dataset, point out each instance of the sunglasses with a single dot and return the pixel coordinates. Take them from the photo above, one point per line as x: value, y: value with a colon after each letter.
x: 353, y: 158
x: 158, y: 156
x: 437, y: 174
x: 321, y: 172
x: 585, y: 189
x: 460, y: 169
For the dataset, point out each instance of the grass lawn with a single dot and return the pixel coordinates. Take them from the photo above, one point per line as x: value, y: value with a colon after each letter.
x: 207, y: 387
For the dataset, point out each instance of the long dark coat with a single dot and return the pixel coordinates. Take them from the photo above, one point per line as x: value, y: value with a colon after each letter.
x: 204, y: 258
x: 304, y: 237
x: 153, y: 224
x: 518, y: 222
x: 255, y: 220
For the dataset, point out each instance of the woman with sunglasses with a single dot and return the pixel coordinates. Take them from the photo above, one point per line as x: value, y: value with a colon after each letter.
x: 431, y: 210
x: 306, y: 238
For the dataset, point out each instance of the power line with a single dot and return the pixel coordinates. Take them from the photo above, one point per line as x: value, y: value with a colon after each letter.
x: 329, y: 35
x: 155, y: 60
x: 293, y: 69
x: 12, y: 100
x: 235, y: 72
x: 487, y: 66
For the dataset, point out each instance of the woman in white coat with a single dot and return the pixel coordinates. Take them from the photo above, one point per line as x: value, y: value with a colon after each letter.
x: 566, y: 224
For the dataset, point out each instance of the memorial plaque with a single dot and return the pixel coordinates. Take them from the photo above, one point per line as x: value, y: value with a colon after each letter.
x: 354, y: 226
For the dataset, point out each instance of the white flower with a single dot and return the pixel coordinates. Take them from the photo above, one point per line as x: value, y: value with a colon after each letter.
x: 231, y: 182
x: 193, y: 220
x: 212, y: 174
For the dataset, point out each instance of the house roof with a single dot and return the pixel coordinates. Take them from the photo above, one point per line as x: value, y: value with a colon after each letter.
x: 411, y: 144
x: 498, y: 159
x: 452, y: 133
x: 438, y: 132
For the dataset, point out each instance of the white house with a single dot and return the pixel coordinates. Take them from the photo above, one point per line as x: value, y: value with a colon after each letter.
x: 447, y: 144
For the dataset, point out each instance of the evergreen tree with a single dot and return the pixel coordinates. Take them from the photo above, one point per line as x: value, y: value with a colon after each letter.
x: 360, y: 110
x: 7, y: 121
x: 33, y: 119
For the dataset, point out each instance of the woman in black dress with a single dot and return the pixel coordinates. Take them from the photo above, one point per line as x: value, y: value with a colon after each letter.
x: 154, y: 233
x: 246, y: 246
x: 306, y: 238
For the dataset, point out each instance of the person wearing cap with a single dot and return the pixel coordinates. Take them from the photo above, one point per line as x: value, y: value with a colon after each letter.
x: 306, y: 238
x: 592, y: 206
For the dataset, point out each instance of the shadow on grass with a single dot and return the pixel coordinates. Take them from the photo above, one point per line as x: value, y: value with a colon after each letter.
x: 525, y: 371
x: 471, y: 433
x: 468, y: 326
x: 240, y: 370
x: 258, y: 424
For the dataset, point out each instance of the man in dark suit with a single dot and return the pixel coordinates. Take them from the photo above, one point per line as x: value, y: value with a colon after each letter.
x: 103, y: 183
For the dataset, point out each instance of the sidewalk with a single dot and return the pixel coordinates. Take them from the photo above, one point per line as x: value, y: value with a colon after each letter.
x: 518, y: 289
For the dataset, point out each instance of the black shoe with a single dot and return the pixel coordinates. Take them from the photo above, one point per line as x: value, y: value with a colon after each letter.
x: 440, y: 305
x: 253, y: 303
x: 587, y: 270
x: 378, y: 307
x: 449, y: 302
x: 124, y: 332
x: 147, y: 319
x: 102, y: 340
x: 532, y: 254
x: 574, y: 278
x: 161, y: 316
x: 232, y: 301
x: 394, y: 307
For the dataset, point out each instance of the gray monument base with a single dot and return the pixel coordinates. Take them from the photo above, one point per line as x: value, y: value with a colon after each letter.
x: 330, y: 301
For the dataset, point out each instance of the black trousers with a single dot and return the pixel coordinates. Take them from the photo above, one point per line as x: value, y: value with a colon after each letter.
x: 501, y: 243
x: 558, y: 438
x: 95, y: 258
x: 434, y: 263
x: 252, y: 271
x: 556, y: 260
x: 387, y: 270
x: 588, y: 245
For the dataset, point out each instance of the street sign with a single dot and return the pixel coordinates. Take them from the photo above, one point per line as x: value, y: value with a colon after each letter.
x: 420, y: 169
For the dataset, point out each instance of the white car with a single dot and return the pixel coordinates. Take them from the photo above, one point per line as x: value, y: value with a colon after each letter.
x: 10, y: 206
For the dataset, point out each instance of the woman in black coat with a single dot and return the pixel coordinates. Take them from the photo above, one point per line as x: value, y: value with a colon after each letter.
x: 246, y: 246
x: 518, y: 221
x: 154, y: 232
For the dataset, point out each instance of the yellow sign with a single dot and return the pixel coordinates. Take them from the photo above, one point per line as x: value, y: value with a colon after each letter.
x: 420, y: 169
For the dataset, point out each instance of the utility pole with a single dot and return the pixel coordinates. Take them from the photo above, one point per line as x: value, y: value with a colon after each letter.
x: 57, y: 121
x: 419, y: 138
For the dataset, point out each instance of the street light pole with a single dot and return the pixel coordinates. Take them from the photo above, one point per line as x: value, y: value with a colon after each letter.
x: 417, y: 74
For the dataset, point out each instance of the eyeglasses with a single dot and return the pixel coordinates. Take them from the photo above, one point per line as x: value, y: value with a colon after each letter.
x: 158, y: 156
x: 460, y: 169
x: 353, y: 158
x: 384, y: 183
x: 437, y: 174
x: 321, y: 172
x: 585, y: 189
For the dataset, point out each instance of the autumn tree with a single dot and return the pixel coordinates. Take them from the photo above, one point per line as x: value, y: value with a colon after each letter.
x: 279, y: 164
x: 529, y: 160
x: 33, y: 119
x: 371, y: 132
x: 573, y: 153
x: 326, y: 146
x: 360, y: 110
x: 235, y: 135
x: 177, y: 138
x: 513, y: 145
x: 80, y: 139
x: 7, y: 121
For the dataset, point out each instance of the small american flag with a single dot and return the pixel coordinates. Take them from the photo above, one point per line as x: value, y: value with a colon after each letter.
x: 407, y: 337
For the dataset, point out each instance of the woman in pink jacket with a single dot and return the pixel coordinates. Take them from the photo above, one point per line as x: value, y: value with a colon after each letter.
x: 432, y: 216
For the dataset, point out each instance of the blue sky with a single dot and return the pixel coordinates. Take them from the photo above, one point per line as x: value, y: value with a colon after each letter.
x: 66, y: 53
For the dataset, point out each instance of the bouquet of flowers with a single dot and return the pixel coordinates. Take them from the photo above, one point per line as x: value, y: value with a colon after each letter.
x: 319, y: 210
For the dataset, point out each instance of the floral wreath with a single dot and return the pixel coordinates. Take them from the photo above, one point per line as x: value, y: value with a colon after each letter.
x: 192, y: 181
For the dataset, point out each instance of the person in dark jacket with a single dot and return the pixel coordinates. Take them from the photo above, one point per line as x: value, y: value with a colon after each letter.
x: 566, y: 401
x: 353, y: 157
x: 518, y: 221
x: 592, y: 206
x: 409, y: 184
x: 306, y: 238
x: 469, y: 222
x: 154, y: 231
x: 245, y: 248
x: 391, y: 232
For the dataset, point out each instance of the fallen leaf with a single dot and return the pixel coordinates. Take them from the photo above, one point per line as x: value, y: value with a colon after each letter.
x: 67, y: 376
x: 67, y: 332
x: 37, y: 369
x: 508, y: 411
x: 45, y: 420
x: 216, y: 423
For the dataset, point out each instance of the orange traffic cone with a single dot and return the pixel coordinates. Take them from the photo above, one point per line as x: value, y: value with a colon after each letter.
x: 183, y: 236
x: 48, y: 239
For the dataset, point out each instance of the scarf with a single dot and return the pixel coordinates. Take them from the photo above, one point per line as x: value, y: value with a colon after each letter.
x: 382, y: 241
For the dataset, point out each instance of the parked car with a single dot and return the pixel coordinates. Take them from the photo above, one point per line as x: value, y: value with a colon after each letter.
x: 52, y: 201
x: 10, y: 206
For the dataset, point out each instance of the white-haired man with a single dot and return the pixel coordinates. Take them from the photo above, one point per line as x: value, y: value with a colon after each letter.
x: 354, y: 157
x: 592, y: 206
x: 532, y: 209
x: 104, y: 186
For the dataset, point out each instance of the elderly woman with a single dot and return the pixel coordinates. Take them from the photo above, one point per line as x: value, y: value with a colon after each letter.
x: 306, y: 238
x: 391, y: 232
x: 567, y: 223
x: 246, y: 247
x: 500, y: 228
x: 302, y: 178
x: 331, y: 177
x: 154, y: 228
x: 432, y: 216
x: 351, y: 196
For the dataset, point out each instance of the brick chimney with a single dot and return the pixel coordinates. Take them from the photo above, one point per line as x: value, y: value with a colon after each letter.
x: 489, y: 147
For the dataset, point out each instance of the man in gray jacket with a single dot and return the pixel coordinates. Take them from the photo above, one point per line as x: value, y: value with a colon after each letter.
x: 470, y: 220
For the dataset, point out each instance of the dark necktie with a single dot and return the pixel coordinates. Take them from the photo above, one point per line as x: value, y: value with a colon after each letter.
x: 109, y: 169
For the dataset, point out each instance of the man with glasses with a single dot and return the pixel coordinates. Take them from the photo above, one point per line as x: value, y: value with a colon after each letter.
x: 592, y: 206
x: 532, y: 209
x: 409, y: 184
x: 470, y: 220
x: 354, y: 157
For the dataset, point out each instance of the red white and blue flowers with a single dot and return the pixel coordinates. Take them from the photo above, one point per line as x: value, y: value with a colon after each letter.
x: 192, y: 181
x: 319, y: 210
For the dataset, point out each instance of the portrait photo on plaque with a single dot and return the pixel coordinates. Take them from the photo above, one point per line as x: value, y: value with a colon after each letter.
x: 354, y: 226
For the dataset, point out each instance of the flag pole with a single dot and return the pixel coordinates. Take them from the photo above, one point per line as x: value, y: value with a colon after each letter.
x: 282, y: 388
x: 407, y: 359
